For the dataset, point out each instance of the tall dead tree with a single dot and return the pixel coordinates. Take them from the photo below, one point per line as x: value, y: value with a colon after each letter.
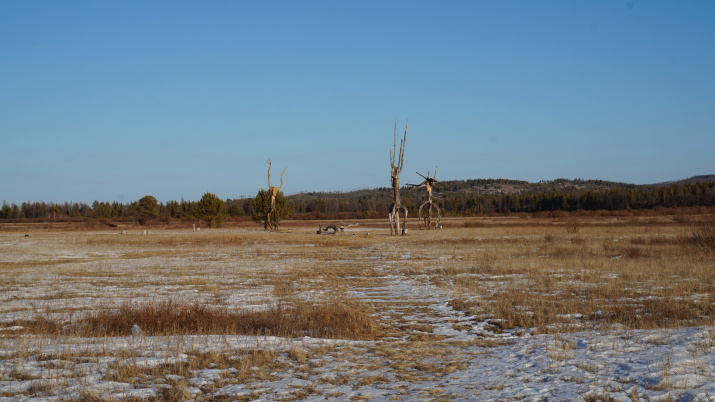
x: 272, y: 222
x: 429, y: 184
x: 395, y: 170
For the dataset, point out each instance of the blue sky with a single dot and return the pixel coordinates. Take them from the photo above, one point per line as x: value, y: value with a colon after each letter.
x: 117, y: 100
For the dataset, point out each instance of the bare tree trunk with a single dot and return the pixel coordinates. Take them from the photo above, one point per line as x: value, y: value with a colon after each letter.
x: 273, y: 192
x: 429, y: 215
x: 395, y: 170
x: 398, y: 205
x: 395, y: 219
x: 391, y: 215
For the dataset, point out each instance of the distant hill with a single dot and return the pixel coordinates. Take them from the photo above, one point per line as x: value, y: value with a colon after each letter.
x: 695, y: 179
x: 479, y: 196
x: 503, y: 186
x: 475, y: 187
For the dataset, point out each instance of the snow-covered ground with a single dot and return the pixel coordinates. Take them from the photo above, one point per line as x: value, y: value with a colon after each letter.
x: 622, y: 365
x: 447, y: 355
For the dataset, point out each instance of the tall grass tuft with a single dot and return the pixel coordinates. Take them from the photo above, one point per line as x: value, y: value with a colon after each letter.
x: 334, y: 319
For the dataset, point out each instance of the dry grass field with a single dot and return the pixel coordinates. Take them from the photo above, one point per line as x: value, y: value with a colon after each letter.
x: 240, y: 313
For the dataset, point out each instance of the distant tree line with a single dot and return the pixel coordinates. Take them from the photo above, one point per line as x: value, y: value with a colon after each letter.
x: 457, y: 198
x: 589, y: 200
x: 140, y: 211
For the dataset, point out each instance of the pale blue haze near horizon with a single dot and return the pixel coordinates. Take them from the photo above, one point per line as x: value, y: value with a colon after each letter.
x: 112, y: 101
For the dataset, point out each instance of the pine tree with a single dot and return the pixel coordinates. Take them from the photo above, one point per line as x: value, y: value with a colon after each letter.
x: 147, y: 209
x: 211, y: 210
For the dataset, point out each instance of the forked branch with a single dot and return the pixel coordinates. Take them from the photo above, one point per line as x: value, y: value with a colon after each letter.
x: 397, y: 169
x: 428, y: 182
x: 269, y: 176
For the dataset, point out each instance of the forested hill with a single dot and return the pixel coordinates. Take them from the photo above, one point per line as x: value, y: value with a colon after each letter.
x: 480, y: 196
x: 455, y: 197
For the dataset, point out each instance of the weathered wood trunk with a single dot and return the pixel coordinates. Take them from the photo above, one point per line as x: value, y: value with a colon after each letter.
x: 398, y: 204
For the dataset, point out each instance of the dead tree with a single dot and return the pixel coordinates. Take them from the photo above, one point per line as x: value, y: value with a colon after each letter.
x: 429, y: 184
x: 272, y: 221
x: 395, y: 170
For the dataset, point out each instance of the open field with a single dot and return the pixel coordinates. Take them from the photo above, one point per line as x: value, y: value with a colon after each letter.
x: 597, y: 308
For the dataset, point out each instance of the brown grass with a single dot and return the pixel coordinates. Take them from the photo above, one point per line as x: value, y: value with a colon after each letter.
x: 332, y: 319
x: 637, y: 278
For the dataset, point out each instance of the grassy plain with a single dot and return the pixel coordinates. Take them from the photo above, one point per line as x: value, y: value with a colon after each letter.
x: 509, y: 275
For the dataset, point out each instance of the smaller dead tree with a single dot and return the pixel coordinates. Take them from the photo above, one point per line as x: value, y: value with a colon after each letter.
x: 272, y: 213
x: 395, y: 170
x: 343, y: 226
x: 429, y: 184
x: 335, y: 228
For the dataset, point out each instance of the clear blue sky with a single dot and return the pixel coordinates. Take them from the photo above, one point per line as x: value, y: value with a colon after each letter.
x: 115, y: 100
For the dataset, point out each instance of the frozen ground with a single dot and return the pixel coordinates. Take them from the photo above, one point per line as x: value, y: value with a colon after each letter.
x: 448, y: 355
